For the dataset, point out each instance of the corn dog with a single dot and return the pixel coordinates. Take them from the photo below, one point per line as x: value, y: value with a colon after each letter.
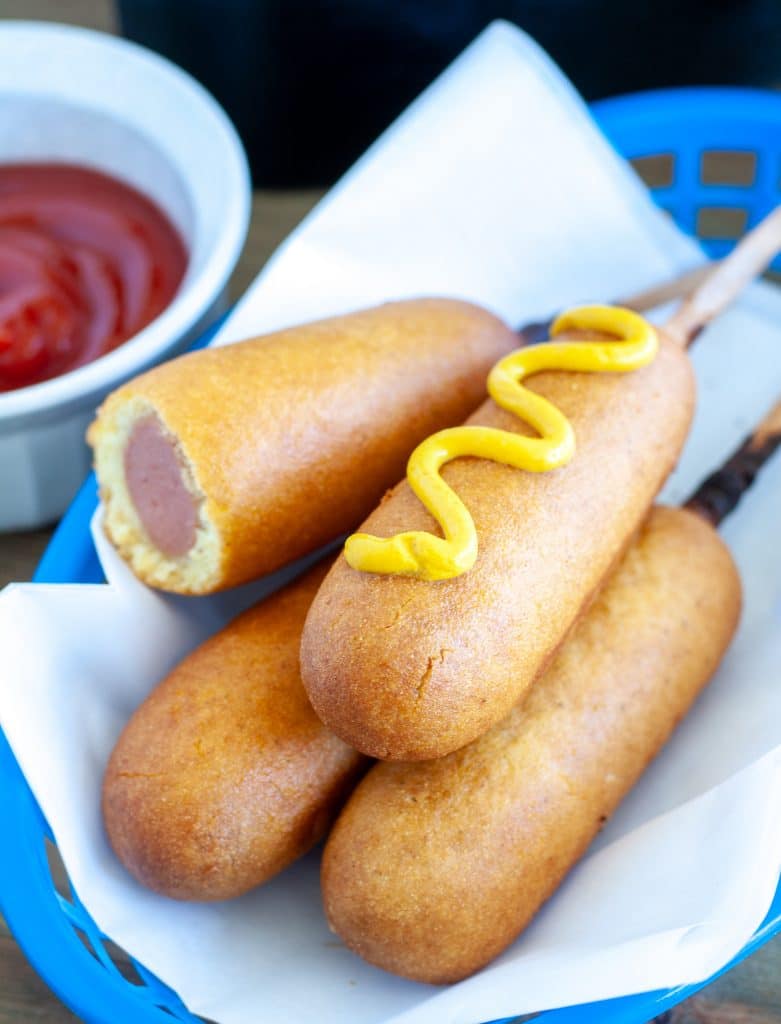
x: 408, y: 669
x: 455, y: 655
x: 227, y: 463
x: 224, y: 775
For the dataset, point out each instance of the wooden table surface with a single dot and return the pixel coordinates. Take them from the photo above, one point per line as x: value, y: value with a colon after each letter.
x: 749, y: 994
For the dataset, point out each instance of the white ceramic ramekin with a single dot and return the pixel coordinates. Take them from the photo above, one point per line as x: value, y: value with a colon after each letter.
x: 77, y: 96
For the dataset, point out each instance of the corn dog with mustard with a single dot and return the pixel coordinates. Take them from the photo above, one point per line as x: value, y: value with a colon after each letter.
x: 432, y: 869
x: 225, y: 464
x: 430, y: 627
x: 224, y: 775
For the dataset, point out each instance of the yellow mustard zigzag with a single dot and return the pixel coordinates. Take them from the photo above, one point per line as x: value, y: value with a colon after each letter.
x: 428, y: 557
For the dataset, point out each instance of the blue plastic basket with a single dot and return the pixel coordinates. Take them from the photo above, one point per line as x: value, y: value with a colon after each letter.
x: 55, y: 931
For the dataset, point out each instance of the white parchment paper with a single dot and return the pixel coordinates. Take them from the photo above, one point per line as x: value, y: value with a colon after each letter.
x: 494, y: 186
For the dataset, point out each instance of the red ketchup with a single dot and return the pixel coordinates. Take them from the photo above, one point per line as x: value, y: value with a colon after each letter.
x: 85, y: 263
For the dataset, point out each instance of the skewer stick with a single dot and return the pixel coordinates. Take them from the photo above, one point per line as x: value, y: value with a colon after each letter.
x: 718, y: 495
x: 708, y: 289
x: 659, y: 294
x: 727, y: 280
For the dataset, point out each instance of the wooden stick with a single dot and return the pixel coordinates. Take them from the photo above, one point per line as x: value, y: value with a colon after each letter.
x: 718, y: 495
x: 676, y: 288
x: 728, y: 279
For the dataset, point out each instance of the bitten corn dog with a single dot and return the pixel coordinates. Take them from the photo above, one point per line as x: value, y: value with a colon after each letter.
x: 433, y: 868
x: 227, y: 463
x: 224, y: 775
x: 405, y: 668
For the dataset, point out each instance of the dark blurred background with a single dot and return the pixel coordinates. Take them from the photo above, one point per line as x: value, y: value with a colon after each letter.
x: 310, y: 83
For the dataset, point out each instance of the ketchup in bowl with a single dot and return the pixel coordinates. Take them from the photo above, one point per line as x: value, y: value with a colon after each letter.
x: 85, y: 263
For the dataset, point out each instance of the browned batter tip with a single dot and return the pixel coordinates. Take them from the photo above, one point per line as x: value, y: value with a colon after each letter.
x: 224, y: 775
x: 432, y: 869
x: 719, y: 494
x: 406, y: 669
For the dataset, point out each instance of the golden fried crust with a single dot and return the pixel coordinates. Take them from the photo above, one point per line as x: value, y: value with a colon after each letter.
x: 432, y: 869
x: 405, y: 669
x: 224, y: 775
x: 291, y: 439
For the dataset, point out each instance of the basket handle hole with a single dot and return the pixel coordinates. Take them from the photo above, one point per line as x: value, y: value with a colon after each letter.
x: 175, y: 1016
x: 57, y: 871
x: 724, y: 223
x: 728, y: 167
x: 656, y: 170
x: 120, y: 959
x: 123, y: 963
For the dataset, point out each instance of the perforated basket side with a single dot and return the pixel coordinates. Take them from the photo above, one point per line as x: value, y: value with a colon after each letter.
x: 724, y: 152
x: 48, y: 925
